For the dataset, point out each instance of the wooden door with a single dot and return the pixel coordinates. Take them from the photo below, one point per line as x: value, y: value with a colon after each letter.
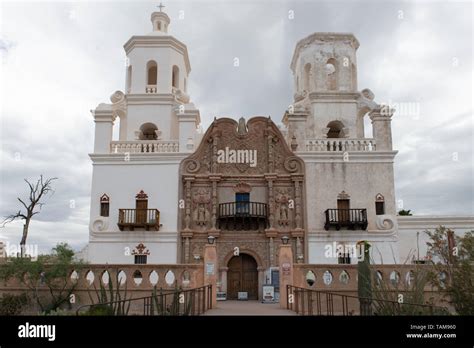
x: 343, y: 210
x: 242, y: 275
x: 141, y: 206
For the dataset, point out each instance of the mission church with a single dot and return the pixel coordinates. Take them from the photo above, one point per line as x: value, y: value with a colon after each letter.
x: 163, y: 189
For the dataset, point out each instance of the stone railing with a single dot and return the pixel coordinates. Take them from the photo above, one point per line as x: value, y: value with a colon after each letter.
x: 343, y: 278
x: 339, y: 285
x: 135, y: 281
x: 340, y: 145
x: 151, y: 89
x: 144, y: 146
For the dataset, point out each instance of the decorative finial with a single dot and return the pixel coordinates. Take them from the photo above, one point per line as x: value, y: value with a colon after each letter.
x: 242, y: 128
x: 161, y: 6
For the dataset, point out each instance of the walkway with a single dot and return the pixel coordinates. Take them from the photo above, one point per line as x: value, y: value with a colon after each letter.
x: 248, y: 308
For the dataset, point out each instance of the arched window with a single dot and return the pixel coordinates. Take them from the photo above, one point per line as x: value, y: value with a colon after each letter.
x: 129, y: 79
x: 175, y: 76
x: 148, y: 131
x: 152, y: 72
x: 335, y: 129
x: 307, y: 77
x: 331, y: 74
x: 104, y: 205
x: 379, y: 204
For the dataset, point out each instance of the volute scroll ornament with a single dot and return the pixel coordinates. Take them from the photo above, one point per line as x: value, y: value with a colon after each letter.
x: 292, y: 164
x: 386, y: 222
x: 191, y: 165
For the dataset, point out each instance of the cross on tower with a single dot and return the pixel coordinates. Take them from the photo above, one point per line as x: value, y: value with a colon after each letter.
x: 161, y: 6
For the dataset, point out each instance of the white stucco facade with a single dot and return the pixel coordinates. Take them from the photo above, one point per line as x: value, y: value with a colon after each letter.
x: 324, y: 126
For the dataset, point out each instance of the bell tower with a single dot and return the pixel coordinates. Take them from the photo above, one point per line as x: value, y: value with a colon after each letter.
x: 158, y: 106
x: 325, y: 62
x: 324, y: 67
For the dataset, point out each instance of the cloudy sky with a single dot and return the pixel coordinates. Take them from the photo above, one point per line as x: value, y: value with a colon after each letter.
x: 60, y: 59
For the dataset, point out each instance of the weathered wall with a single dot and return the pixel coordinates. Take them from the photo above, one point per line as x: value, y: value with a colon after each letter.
x: 84, y: 288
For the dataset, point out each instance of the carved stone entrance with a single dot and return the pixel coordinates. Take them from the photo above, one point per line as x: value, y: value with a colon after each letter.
x: 242, y: 276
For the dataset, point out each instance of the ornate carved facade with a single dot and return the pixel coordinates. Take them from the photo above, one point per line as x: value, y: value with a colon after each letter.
x: 244, y: 186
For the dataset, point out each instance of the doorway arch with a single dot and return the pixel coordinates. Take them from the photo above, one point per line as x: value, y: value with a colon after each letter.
x: 242, y: 276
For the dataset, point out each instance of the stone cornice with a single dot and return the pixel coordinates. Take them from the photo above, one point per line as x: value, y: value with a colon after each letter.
x: 348, y: 235
x: 133, y: 236
x: 158, y: 41
x: 433, y: 221
x: 354, y: 156
x: 321, y: 37
x: 138, y: 158
x: 150, y: 99
x: 350, y: 97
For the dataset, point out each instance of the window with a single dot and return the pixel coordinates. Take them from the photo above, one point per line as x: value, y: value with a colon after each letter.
x: 104, y: 205
x: 307, y: 77
x: 152, y: 72
x: 379, y: 208
x: 379, y: 204
x: 331, y: 74
x: 175, y: 78
x: 140, y: 259
x: 242, y: 202
x: 148, y: 131
x: 335, y: 129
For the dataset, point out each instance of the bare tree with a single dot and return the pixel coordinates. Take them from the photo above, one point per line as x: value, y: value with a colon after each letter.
x: 38, y: 191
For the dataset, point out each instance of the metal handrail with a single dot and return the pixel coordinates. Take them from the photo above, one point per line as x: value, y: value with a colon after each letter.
x: 244, y: 209
x: 304, y: 306
x: 203, y: 303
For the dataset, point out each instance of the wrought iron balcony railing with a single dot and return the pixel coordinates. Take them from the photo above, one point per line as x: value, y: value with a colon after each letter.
x: 129, y: 219
x: 350, y: 218
x: 243, y: 215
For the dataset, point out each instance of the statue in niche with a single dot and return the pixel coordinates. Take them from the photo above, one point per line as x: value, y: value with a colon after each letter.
x: 201, y: 199
x: 202, y: 216
x: 283, y: 205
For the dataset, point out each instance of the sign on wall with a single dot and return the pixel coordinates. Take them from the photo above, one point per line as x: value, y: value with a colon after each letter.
x: 268, y: 293
x: 286, y: 267
x: 209, y: 268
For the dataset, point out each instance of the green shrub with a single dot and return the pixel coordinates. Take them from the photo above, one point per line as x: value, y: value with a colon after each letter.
x: 12, y: 304
x: 100, y: 309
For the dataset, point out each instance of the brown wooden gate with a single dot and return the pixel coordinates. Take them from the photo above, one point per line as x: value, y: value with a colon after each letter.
x: 242, y: 275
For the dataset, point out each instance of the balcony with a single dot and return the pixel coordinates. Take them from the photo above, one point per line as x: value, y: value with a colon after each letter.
x: 343, y: 144
x: 243, y: 216
x: 129, y: 219
x: 351, y: 218
x: 144, y: 146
